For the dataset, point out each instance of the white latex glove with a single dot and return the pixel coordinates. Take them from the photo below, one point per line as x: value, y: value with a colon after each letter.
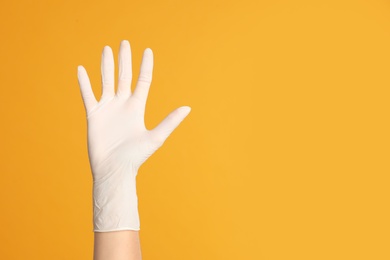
x: 118, y: 142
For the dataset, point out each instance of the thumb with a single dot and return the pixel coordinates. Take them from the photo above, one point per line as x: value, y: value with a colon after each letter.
x: 161, y: 132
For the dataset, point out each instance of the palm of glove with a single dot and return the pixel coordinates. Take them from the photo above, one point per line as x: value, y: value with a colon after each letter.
x: 118, y: 141
x: 117, y: 138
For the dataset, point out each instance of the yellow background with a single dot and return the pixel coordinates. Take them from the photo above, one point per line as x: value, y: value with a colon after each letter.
x: 285, y: 154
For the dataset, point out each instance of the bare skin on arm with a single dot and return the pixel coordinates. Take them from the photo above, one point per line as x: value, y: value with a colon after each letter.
x: 117, y: 245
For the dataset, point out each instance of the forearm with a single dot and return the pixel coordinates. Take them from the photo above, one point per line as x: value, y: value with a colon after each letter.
x: 116, y: 219
x: 117, y: 245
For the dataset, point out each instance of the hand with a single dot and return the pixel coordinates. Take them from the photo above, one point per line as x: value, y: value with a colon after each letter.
x: 118, y: 141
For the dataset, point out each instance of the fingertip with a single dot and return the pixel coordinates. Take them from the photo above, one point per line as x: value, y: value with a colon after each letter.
x: 148, y: 50
x: 106, y: 48
x: 185, y: 109
x: 125, y: 42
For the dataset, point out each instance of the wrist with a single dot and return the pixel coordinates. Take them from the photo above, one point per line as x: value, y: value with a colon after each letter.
x: 115, y: 202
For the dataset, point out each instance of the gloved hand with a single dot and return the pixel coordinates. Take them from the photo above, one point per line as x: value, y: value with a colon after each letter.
x: 118, y: 142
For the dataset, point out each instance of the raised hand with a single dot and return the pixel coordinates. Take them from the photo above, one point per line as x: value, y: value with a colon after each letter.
x: 118, y: 141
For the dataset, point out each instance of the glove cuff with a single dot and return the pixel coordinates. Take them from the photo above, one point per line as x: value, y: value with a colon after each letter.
x: 115, y: 203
